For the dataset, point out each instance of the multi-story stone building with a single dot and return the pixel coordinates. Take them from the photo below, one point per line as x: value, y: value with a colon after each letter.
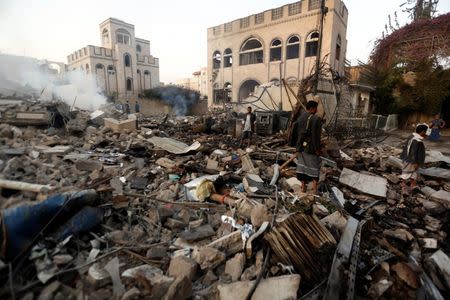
x: 198, y: 82
x: 123, y: 64
x: 274, y: 44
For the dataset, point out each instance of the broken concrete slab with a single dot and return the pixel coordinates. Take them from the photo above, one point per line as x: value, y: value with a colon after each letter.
x: 282, y: 287
x: 57, y: 150
x: 435, y: 172
x: 235, y: 266
x: 369, y: 184
x: 442, y: 197
x: 440, y: 263
x: 208, y: 257
x: 182, y: 266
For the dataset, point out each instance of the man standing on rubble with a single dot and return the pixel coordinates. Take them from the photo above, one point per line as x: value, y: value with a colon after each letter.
x: 249, y: 126
x: 308, y: 146
x: 413, y: 156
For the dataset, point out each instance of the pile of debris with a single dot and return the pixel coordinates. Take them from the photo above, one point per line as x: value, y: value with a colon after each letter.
x: 171, y: 208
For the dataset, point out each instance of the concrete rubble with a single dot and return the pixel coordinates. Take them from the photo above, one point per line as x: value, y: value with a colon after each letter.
x: 186, y: 214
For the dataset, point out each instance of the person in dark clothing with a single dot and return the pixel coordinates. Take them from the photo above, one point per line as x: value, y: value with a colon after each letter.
x: 137, y: 107
x: 249, y: 126
x: 413, y: 156
x: 127, y: 108
x: 308, y: 146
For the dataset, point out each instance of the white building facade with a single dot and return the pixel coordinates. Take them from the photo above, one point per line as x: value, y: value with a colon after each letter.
x: 123, y: 65
x: 280, y: 43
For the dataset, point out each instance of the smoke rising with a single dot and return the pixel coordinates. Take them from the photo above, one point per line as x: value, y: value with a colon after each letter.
x: 26, y: 76
x: 180, y: 99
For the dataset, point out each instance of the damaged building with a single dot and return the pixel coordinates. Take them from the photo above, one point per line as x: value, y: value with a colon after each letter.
x: 280, y: 43
x: 123, y: 65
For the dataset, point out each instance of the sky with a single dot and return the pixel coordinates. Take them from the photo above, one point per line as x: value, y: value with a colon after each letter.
x: 52, y: 29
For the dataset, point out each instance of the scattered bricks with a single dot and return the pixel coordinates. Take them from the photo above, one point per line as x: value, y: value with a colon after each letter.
x: 207, y: 257
x: 182, y: 266
x: 235, y: 266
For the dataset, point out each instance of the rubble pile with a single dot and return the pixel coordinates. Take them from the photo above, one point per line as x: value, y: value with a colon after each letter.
x: 172, y: 208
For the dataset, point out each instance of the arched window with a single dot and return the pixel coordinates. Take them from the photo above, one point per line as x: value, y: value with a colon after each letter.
x: 123, y: 36
x: 111, y: 70
x: 129, y: 84
x: 312, y: 44
x: 217, y: 58
x: 146, y: 72
x: 139, y: 71
x: 138, y: 48
x: 275, y: 81
x: 99, y: 66
x: 251, y: 52
x: 293, y: 47
x: 275, y: 50
x: 338, y: 47
x: 227, y: 58
x: 127, y: 60
x: 105, y: 36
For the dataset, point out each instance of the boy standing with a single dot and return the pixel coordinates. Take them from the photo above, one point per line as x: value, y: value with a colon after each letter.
x: 249, y: 126
x: 413, y: 156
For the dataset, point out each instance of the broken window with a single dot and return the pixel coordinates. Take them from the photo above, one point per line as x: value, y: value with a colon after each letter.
x: 228, y: 27
x: 129, y: 84
x: 259, y: 18
x: 227, y: 87
x: 293, y: 47
x: 295, y: 8
x: 245, y: 22
x: 227, y: 58
x: 277, y: 13
x: 127, y: 60
x: 105, y: 36
x: 313, y: 4
x: 312, y: 44
x: 275, y: 50
x: 111, y: 70
x: 338, y: 47
x: 217, y: 58
x: 251, y: 52
x: 138, y: 48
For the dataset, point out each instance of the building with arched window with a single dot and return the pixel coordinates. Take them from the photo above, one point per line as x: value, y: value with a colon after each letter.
x: 279, y: 43
x: 123, y: 65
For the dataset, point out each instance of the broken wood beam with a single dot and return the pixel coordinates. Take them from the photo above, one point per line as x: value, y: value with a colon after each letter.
x: 24, y: 186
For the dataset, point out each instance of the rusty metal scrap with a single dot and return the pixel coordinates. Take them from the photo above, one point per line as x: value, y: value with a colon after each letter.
x: 299, y: 241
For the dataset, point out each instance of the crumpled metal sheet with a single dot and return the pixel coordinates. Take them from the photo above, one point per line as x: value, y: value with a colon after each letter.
x: 173, y: 146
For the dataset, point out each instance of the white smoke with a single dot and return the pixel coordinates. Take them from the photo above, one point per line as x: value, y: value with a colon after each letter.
x: 28, y: 76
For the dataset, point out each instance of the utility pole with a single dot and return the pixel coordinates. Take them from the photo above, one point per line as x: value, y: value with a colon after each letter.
x: 323, y: 11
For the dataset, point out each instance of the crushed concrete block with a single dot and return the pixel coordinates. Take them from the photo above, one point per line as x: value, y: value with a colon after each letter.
x: 197, y: 234
x: 259, y: 215
x: 98, y: 276
x: 429, y: 243
x: 120, y: 126
x: 166, y: 163
x: 212, y: 165
x: 180, y: 289
x: 208, y: 257
x: 282, y: 287
x: 182, y: 266
x: 235, y: 266
x: 294, y: 184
